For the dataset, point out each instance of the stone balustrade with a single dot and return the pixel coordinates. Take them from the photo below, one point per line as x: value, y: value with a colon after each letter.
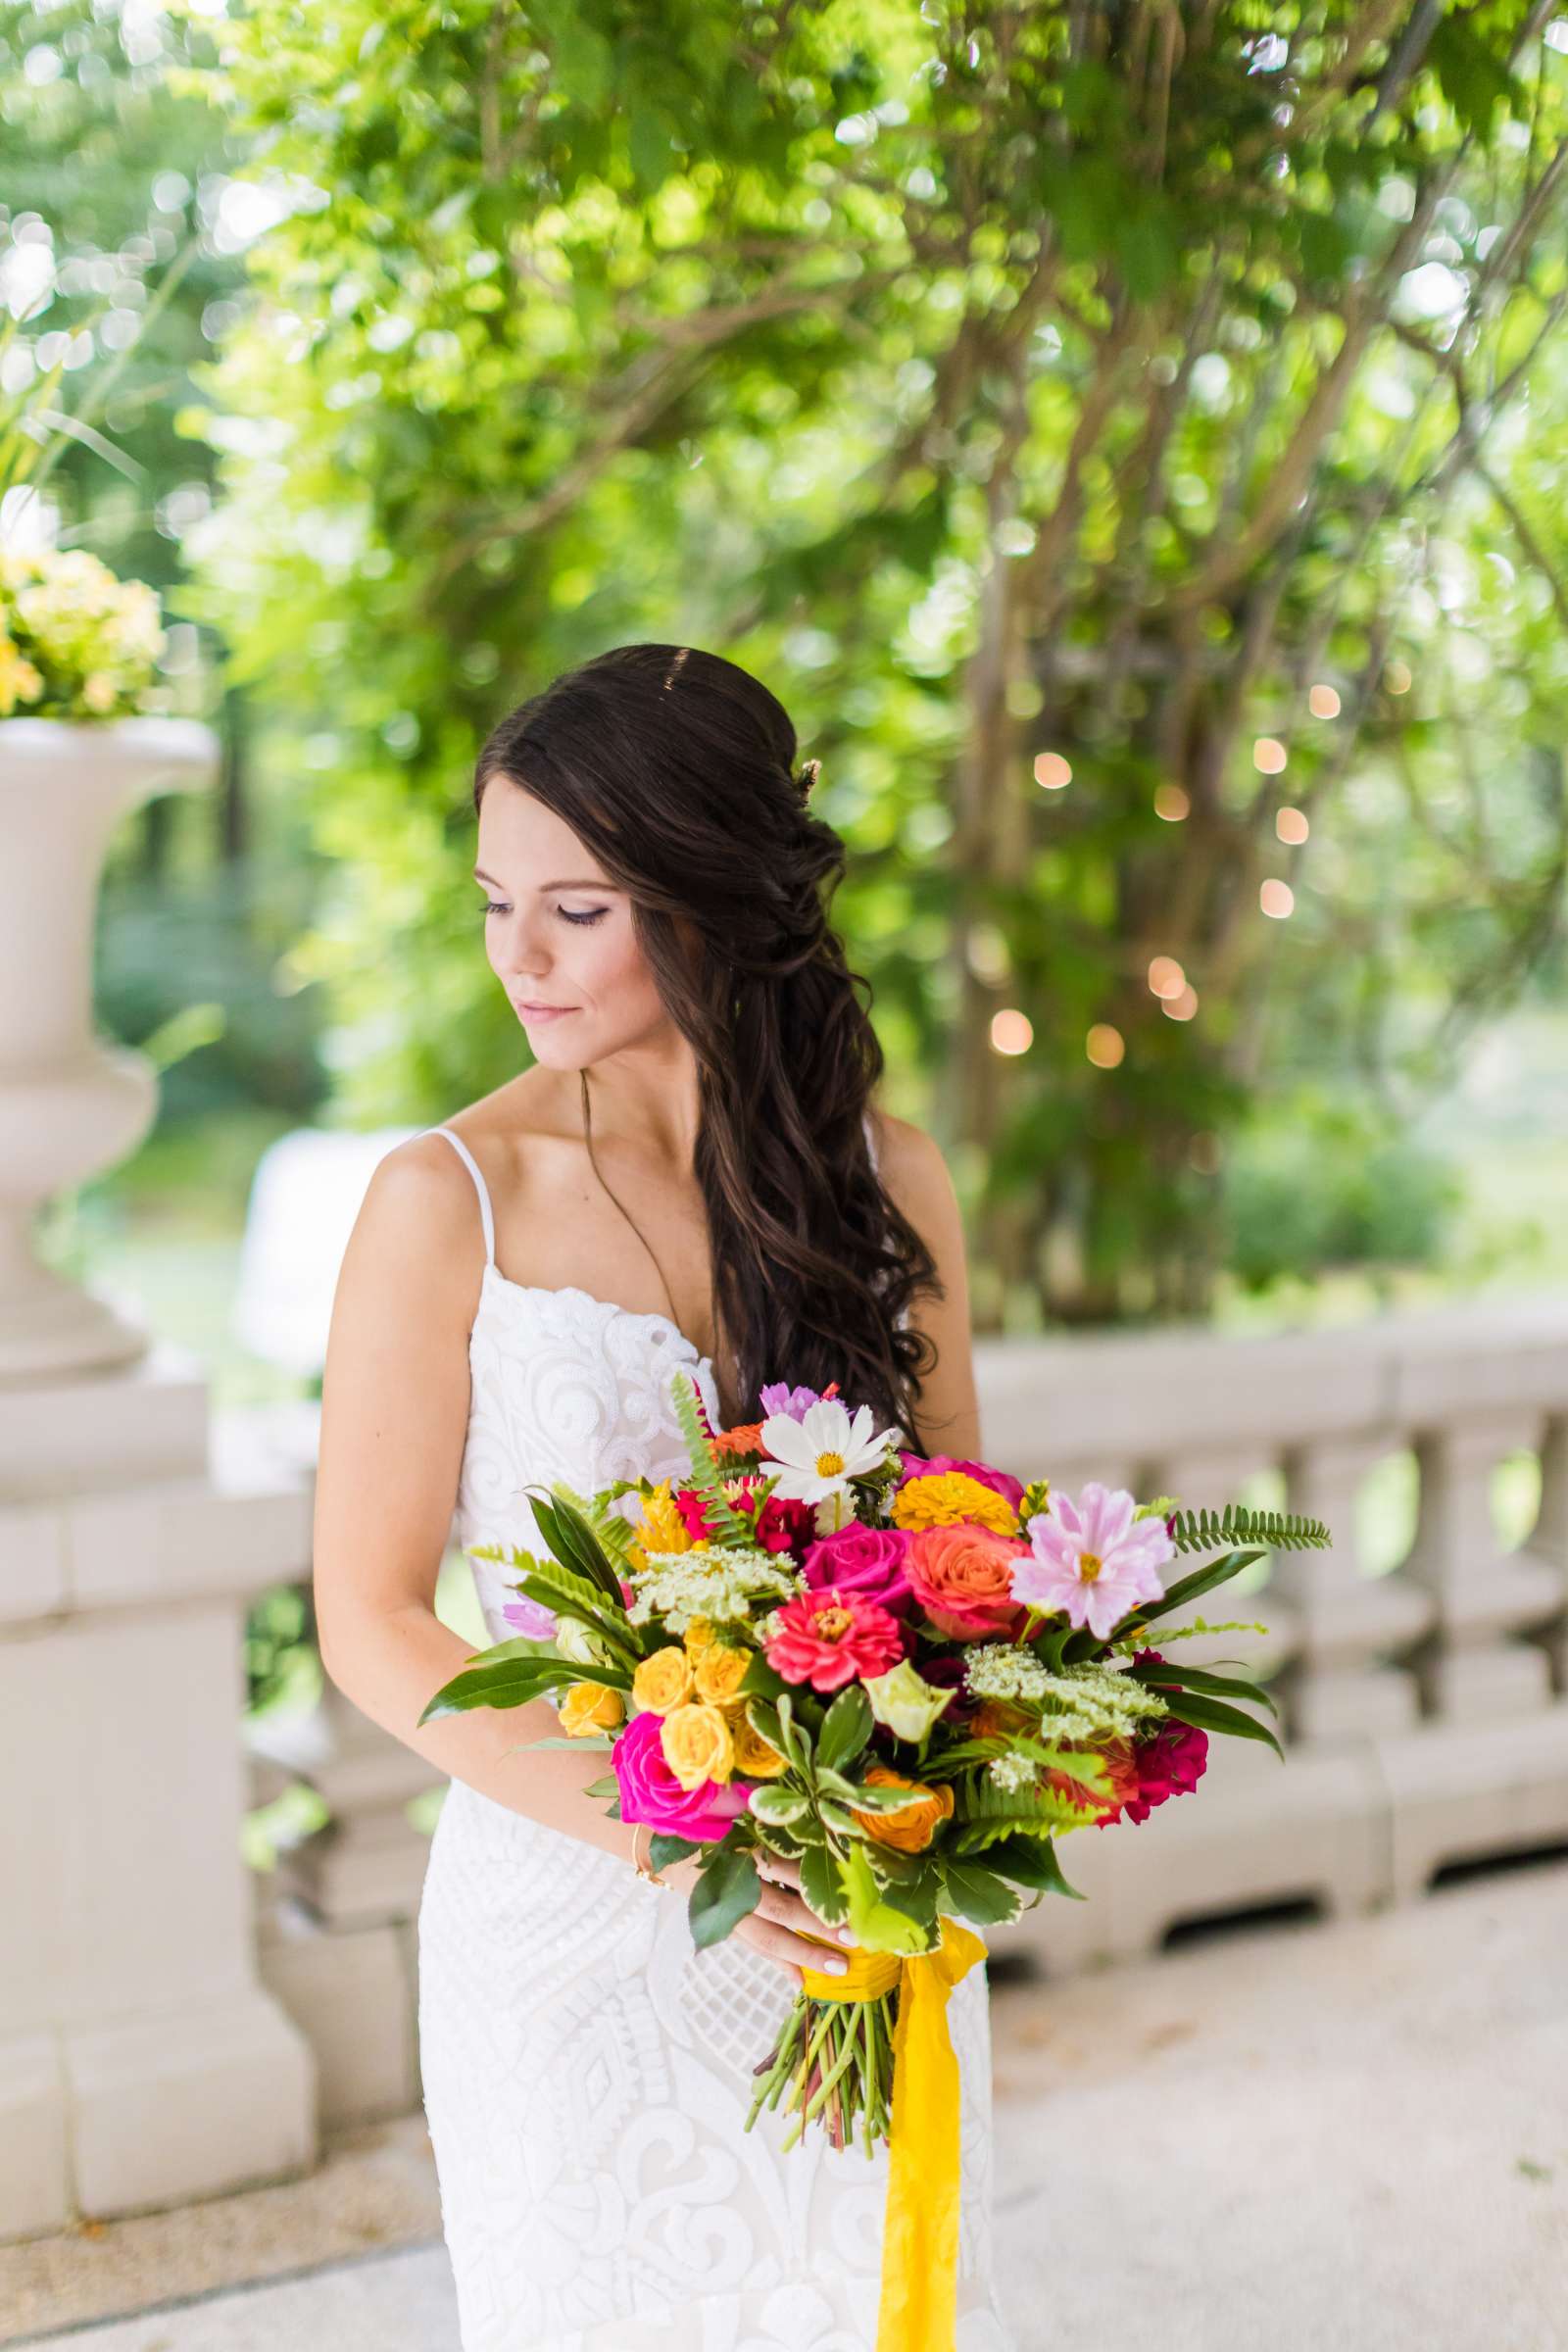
x: 1422, y: 1704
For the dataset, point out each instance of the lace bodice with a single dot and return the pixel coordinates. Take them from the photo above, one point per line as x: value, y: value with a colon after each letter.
x: 564, y: 1386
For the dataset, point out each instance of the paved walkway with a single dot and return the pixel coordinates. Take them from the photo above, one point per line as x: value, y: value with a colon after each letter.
x: 1306, y: 2138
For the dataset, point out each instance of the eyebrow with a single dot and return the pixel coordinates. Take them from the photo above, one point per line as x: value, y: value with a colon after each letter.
x: 583, y: 882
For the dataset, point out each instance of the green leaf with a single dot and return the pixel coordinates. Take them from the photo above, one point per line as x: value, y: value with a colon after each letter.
x: 822, y: 1885
x: 1212, y: 1715
x: 663, y: 1848
x: 1033, y: 1862
x: 977, y: 1894
x: 721, y: 1514
x: 794, y: 1738
x: 760, y: 1679
x: 878, y: 1925
x: 1168, y: 1674
x: 728, y: 1888
x: 846, y: 1728
x: 778, y: 1806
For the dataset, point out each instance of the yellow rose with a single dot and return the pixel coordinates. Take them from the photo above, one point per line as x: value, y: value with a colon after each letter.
x: 663, y: 1681
x: 591, y: 1707
x: 951, y: 1497
x: 911, y: 1828
x: 755, y: 1758
x: 699, y: 1634
x: 718, y: 1672
x: 698, y: 1744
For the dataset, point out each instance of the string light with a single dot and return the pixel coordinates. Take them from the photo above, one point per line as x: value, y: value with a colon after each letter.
x: 1166, y: 977
x: 1011, y: 1031
x: 1171, y: 802
x: 1105, y: 1046
x: 1268, y: 756
x: 1290, y: 825
x: 1323, y: 703
x: 1052, y: 771
x: 1277, y: 899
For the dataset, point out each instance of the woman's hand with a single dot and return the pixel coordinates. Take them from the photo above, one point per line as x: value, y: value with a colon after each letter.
x: 784, y: 1920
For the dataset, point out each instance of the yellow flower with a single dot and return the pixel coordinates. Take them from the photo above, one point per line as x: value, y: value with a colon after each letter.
x: 699, y: 1634
x: 718, y: 1671
x: 663, y: 1681
x: 911, y: 1828
x: 591, y: 1707
x: 949, y: 1497
x: 755, y: 1758
x: 698, y: 1744
x: 661, y: 1527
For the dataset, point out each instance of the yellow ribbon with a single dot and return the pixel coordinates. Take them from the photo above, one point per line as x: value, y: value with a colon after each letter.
x: 919, y: 2309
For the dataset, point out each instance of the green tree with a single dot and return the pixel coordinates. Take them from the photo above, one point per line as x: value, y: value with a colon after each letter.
x: 1124, y: 433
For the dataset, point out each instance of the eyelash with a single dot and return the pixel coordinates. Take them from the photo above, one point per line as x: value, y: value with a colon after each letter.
x: 499, y: 907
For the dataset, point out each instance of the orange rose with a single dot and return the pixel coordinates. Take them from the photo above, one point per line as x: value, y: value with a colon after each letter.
x: 913, y: 1826
x: 698, y: 1744
x: 663, y: 1681
x: 961, y: 1577
x: 995, y: 1718
x: 591, y: 1707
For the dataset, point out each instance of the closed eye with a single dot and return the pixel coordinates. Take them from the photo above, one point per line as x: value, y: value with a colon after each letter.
x: 592, y: 915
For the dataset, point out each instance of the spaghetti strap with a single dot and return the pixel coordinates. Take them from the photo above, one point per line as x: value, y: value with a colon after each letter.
x: 458, y: 1145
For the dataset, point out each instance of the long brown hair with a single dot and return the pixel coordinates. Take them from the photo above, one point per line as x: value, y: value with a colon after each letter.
x: 676, y: 768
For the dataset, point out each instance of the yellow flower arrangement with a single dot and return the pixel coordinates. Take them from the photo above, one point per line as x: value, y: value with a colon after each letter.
x: 663, y: 1681
x: 697, y: 1743
x: 950, y: 1496
x: 591, y: 1707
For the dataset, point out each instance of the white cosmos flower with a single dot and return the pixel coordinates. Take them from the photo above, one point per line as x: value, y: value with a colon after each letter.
x: 818, y: 1455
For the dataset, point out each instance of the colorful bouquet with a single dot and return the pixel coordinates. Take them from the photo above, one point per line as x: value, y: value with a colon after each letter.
x: 912, y: 1675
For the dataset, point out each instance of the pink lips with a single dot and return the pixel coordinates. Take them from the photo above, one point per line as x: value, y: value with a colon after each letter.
x: 544, y: 1012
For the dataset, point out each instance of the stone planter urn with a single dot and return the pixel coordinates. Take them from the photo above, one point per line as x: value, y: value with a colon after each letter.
x: 70, y: 1103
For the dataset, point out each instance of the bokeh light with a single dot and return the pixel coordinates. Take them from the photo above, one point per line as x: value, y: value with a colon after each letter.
x: 1011, y: 1031
x: 1105, y: 1046
x: 1277, y: 898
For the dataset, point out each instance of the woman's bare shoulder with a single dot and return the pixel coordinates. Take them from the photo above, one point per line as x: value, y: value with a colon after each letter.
x: 911, y: 1165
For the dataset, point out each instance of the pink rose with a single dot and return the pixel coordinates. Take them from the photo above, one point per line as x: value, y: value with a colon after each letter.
x: 651, y: 1792
x: 869, y: 1560
x: 1000, y: 1482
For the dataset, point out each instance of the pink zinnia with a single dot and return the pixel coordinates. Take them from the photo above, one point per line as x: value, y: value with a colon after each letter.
x: 833, y: 1636
x: 1094, y: 1561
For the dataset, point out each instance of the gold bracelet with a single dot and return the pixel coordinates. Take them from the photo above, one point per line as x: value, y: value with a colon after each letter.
x: 644, y: 1870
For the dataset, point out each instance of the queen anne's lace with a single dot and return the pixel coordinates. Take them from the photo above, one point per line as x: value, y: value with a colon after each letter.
x: 716, y: 1582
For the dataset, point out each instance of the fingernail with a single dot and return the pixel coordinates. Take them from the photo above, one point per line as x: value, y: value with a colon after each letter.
x: 845, y: 1934
x: 835, y: 1966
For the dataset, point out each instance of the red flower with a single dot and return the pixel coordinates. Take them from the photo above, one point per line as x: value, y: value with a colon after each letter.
x: 833, y: 1636
x: 1171, y: 1764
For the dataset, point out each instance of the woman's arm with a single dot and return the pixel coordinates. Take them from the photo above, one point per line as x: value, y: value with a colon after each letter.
x: 394, y: 1423
x: 917, y: 1176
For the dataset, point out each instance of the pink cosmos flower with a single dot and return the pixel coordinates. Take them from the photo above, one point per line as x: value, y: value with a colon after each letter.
x: 831, y: 1637
x: 1000, y: 1482
x: 651, y: 1792
x: 1093, y: 1560
x: 869, y: 1560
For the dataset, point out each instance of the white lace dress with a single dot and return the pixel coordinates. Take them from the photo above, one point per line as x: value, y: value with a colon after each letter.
x: 586, y: 2068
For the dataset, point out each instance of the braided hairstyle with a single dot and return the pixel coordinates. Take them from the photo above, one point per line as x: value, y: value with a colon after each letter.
x: 676, y: 768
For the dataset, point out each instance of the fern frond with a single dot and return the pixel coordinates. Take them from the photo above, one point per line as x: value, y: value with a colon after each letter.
x: 984, y: 1813
x: 726, y: 1523
x: 1277, y: 1531
x: 614, y: 1532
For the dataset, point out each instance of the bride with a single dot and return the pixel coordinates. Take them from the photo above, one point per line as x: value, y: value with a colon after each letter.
x: 687, y: 1174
